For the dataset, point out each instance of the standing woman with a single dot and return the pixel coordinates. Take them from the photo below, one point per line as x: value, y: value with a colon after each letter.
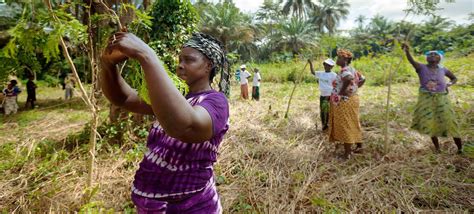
x: 344, y: 126
x: 176, y: 174
x: 434, y: 115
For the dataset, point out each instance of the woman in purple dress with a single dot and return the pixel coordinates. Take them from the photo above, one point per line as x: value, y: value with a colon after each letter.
x: 176, y: 173
x: 434, y: 114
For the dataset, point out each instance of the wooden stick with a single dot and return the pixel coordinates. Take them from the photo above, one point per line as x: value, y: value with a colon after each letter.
x: 292, y: 93
x: 389, y: 86
x: 90, y: 101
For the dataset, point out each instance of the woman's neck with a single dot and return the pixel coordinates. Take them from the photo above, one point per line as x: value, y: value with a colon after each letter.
x: 199, y: 88
x: 432, y: 65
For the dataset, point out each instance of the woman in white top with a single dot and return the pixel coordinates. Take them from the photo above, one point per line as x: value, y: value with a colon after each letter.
x: 244, y: 90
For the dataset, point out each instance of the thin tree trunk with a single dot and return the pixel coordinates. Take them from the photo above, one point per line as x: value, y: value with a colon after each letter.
x: 146, y: 3
x: 296, y: 82
x: 89, y: 100
x: 389, y: 89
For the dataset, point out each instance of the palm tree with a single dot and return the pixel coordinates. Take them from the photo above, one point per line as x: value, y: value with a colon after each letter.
x: 381, y: 27
x: 327, y: 15
x: 268, y: 16
x: 270, y: 11
x: 437, y: 23
x: 299, y: 8
x: 295, y: 34
x: 232, y: 27
x: 470, y: 17
x: 225, y: 22
x: 360, y: 20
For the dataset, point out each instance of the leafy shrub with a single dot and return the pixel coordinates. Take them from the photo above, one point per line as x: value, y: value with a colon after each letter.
x: 51, y: 81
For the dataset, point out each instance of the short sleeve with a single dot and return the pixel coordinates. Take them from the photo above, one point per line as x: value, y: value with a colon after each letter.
x: 218, y: 108
x: 447, y: 72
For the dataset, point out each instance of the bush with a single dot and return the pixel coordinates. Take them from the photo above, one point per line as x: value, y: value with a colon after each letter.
x: 280, y: 72
x: 51, y: 81
x: 376, y: 69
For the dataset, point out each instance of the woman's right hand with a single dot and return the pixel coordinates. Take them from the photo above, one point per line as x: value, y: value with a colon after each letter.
x: 112, y: 57
x: 129, y: 45
x: 405, y: 47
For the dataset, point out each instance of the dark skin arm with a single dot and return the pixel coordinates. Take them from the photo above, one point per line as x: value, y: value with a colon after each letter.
x: 451, y: 77
x: 412, y: 61
x: 117, y: 91
x: 311, y: 69
x: 176, y: 116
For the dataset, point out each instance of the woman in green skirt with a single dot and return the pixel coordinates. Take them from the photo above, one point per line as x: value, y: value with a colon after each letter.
x: 434, y: 115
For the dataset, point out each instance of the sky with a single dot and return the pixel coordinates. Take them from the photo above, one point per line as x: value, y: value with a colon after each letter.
x: 392, y: 9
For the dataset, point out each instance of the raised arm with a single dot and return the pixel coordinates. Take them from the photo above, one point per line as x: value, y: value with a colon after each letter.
x: 412, y: 61
x: 311, y: 69
x: 177, y: 117
x: 114, y: 87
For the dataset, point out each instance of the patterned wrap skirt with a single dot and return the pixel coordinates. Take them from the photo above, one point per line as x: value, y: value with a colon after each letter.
x: 344, y: 123
x: 435, y: 116
x: 206, y: 201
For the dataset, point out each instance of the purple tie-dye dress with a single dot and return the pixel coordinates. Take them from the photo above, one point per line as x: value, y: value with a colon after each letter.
x: 175, y: 176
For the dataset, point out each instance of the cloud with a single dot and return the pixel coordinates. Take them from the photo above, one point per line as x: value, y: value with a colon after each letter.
x: 248, y: 5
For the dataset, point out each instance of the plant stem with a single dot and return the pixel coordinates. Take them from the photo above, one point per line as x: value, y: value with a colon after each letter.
x: 296, y: 82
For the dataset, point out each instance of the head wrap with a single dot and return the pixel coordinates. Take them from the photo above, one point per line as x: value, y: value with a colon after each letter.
x: 438, y: 52
x: 344, y: 53
x: 214, y: 51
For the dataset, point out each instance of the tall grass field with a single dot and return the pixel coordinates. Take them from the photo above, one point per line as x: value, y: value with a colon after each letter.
x: 266, y: 163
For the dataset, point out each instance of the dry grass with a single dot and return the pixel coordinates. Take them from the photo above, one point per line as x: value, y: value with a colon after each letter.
x: 266, y: 165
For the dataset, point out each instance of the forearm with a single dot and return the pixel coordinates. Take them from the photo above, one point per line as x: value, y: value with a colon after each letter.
x: 411, y: 60
x: 451, y: 77
x: 175, y: 114
x: 454, y: 80
x: 113, y: 85
x: 311, y: 69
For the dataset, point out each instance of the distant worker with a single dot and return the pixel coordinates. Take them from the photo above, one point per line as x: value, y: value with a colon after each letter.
x: 256, y: 85
x: 11, y: 93
x: 31, y: 92
x: 244, y: 88
x: 69, y: 84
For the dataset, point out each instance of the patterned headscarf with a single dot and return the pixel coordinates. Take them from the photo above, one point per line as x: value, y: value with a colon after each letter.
x: 214, y: 51
x: 344, y: 53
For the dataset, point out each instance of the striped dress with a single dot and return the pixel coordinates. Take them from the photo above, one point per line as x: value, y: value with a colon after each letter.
x: 177, y: 177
